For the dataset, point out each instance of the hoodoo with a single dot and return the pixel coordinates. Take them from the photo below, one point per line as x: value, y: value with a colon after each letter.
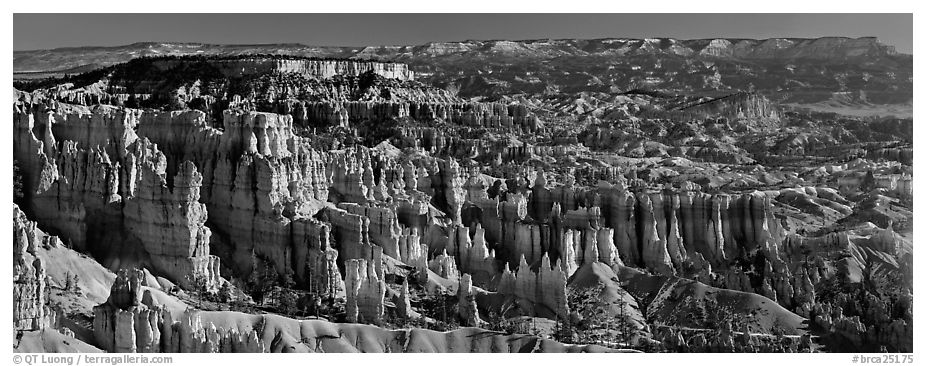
x: 599, y: 195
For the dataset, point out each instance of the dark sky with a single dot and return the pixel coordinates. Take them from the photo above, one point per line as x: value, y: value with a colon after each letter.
x: 43, y: 31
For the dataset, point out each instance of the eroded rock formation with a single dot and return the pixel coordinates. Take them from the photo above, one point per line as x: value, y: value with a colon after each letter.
x: 366, y: 290
x: 29, y: 282
x: 339, y: 180
x: 131, y: 321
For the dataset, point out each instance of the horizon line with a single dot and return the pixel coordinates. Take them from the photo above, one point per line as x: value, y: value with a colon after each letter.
x: 877, y: 39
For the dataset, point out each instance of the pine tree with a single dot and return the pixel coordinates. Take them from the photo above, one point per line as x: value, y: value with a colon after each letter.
x: 225, y: 295
x: 67, y: 281
x: 596, y: 323
x: 17, y: 182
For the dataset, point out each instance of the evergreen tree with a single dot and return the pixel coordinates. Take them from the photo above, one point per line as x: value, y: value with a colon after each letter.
x: 17, y: 182
x: 225, y: 294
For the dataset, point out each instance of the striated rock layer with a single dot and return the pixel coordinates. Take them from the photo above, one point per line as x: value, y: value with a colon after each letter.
x: 318, y: 68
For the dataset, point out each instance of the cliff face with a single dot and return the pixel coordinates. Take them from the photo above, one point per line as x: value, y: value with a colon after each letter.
x: 487, y: 115
x: 737, y: 106
x: 672, y: 232
x: 35, y: 309
x: 29, y: 283
x: 366, y: 290
x: 260, y: 183
x: 899, y: 154
x: 474, y: 257
x: 173, y: 248
x: 546, y: 287
x: 659, y: 230
x: 321, y: 69
x: 717, y: 228
x: 101, y: 175
x: 255, y: 178
x: 316, y: 93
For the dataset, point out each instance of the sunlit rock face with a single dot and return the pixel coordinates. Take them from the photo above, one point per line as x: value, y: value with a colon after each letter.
x: 365, y: 291
x: 119, y: 182
x: 29, y: 281
x: 313, y: 68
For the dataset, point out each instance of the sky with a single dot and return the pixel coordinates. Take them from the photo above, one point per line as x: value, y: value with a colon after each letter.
x: 45, y: 31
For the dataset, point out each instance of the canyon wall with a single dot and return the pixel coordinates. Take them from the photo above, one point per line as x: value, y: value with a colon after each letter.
x: 485, y: 115
x: 29, y: 280
x: 321, y: 69
x: 737, y: 106
x: 107, y: 191
x: 366, y: 291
